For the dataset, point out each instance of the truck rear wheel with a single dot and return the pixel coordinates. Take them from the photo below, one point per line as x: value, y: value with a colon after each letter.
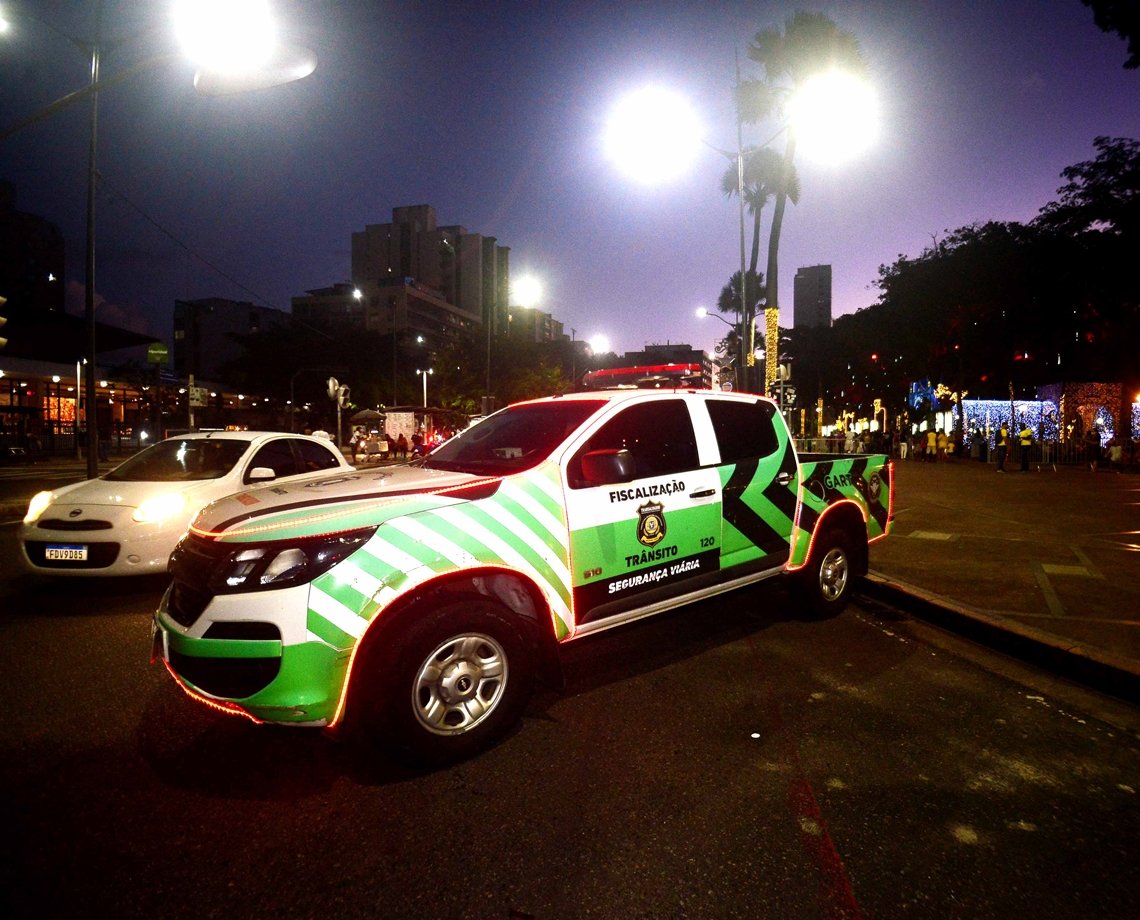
x: 823, y: 586
x: 460, y: 679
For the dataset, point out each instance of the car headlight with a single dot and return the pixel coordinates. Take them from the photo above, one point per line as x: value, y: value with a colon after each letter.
x: 159, y: 508
x: 37, y: 506
x: 281, y: 564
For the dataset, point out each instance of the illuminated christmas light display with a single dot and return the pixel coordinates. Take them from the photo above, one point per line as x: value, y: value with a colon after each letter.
x: 1063, y: 413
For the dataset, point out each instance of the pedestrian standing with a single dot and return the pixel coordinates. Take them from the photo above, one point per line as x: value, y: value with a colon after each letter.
x: 1025, y: 441
x: 1092, y: 447
x: 1002, y: 445
x: 931, y: 455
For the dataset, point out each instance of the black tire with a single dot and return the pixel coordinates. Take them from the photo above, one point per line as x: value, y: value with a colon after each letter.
x: 457, y: 681
x: 823, y: 587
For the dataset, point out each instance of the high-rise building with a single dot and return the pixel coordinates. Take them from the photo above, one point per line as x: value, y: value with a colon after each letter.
x: 449, y: 277
x: 31, y: 260
x: 206, y: 333
x: 812, y: 297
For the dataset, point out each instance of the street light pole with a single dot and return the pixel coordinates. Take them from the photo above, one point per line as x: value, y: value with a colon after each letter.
x: 744, y: 344
x: 424, y: 374
x: 291, y: 63
x: 89, y: 280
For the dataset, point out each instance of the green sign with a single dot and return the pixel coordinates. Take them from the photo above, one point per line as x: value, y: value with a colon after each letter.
x: 157, y: 353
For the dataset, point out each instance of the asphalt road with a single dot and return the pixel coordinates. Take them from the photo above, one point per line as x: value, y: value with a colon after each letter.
x: 720, y: 761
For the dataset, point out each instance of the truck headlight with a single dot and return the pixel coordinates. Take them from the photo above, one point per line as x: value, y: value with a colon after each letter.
x: 281, y: 564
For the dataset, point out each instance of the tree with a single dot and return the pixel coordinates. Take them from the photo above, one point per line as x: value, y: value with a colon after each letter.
x: 763, y: 173
x: 810, y: 43
x: 1102, y: 194
x: 1099, y: 210
x: 1123, y: 18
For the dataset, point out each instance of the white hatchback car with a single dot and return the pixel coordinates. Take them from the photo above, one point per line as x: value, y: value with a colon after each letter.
x: 128, y: 520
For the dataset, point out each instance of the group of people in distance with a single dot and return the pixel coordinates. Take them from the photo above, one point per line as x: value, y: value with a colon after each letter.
x: 379, y: 445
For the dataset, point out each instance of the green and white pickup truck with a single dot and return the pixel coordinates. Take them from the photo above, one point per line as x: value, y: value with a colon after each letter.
x: 419, y: 603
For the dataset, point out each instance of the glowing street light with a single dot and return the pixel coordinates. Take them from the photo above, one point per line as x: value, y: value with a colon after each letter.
x: 702, y: 312
x: 205, y: 23
x: 526, y: 292
x: 653, y: 135
x: 835, y: 116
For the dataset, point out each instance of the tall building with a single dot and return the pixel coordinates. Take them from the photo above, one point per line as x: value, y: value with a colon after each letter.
x: 397, y: 304
x: 812, y: 297
x: 31, y: 260
x: 441, y: 277
x: 206, y: 333
x: 535, y: 326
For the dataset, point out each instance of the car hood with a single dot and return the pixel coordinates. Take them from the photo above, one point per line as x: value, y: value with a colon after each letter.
x: 330, y: 504
x: 103, y: 493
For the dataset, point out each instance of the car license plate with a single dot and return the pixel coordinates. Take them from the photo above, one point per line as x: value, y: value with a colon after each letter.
x: 58, y: 553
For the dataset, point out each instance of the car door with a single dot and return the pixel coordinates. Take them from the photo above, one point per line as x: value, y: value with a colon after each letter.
x: 649, y: 538
x: 277, y: 455
x: 759, y: 482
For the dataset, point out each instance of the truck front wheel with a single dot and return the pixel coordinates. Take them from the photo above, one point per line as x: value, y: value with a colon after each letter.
x: 823, y: 586
x: 461, y: 678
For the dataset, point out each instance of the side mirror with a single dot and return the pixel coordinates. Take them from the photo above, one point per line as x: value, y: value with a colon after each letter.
x: 261, y: 474
x: 602, y: 467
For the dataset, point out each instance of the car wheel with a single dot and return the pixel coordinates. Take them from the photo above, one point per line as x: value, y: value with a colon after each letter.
x: 823, y: 586
x: 462, y: 677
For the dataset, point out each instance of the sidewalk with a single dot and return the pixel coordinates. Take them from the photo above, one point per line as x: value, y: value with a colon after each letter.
x: 1044, y: 564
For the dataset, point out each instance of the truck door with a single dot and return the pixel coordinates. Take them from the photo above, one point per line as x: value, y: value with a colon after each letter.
x: 650, y: 538
x: 759, y: 479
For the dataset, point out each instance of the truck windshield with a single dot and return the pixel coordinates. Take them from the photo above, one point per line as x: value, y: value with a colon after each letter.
x: 514, y: 439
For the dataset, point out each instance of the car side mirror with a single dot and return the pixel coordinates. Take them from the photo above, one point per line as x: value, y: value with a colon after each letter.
x: 602, y: 467
x: 261, y: 474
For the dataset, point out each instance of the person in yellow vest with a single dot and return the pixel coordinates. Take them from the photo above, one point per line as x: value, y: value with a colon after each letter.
x: 943, y: 444
x: 1002, y: 446
x: 931, y: 454
x: 1025, y: 440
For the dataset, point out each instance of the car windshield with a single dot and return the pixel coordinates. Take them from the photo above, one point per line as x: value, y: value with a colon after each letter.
x: 514, y: 439
x: 181, y: 460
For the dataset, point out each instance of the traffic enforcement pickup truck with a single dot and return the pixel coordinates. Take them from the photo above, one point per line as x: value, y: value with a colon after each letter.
x: 417, y: 604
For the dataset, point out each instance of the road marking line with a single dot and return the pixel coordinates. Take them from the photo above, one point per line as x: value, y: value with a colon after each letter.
x: 1051, y: 569
x: 1051, y: 599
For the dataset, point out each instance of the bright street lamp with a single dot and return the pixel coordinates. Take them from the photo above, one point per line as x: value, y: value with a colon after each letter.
x: 284, y: 65
x: 653, y: 135
x: 526, y: 292
x: 424, y: 375
x: 702, y: 312
x: 835, y: 115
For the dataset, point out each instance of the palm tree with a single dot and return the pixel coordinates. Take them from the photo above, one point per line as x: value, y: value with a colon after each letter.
x: 763, y: 172
x: 810, y: 43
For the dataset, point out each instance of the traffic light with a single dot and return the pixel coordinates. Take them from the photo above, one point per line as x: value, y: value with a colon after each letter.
x: 3, y: 320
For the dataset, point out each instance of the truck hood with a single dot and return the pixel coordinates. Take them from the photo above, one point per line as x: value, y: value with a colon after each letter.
x: 329, y: 504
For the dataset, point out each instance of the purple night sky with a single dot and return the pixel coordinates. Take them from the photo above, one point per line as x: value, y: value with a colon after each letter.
x: 493, y: 112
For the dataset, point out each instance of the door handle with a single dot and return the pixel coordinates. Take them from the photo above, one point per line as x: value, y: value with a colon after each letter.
x: 704, y: 493
x: 784, y: 478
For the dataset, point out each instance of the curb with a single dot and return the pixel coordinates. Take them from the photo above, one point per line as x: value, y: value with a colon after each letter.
x: 1089, y: 667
